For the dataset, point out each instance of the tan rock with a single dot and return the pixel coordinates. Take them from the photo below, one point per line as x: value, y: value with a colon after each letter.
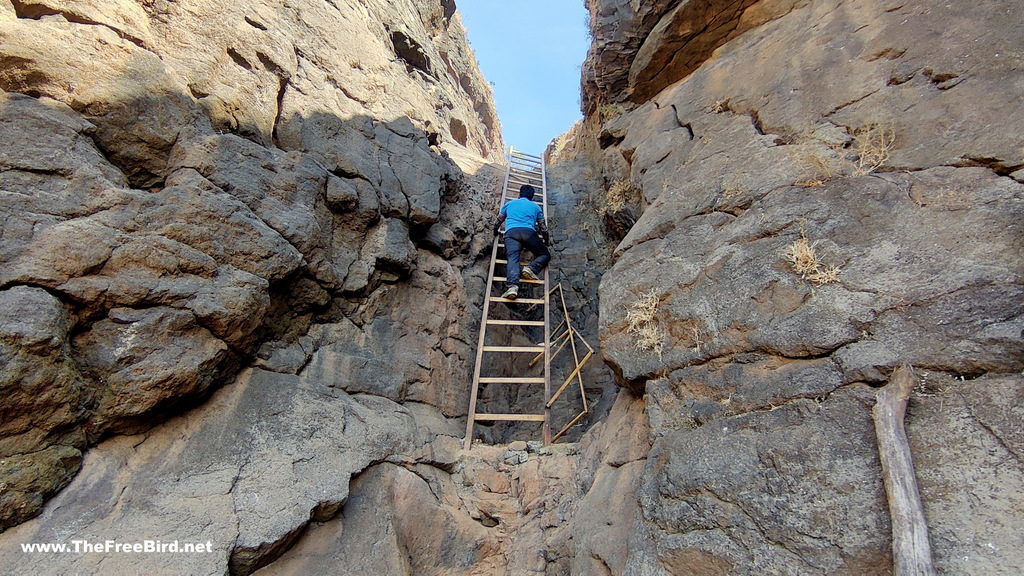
x: 111, y: 80
x: 126, y: 18
x: 605, y: 520
x: 393, y: 511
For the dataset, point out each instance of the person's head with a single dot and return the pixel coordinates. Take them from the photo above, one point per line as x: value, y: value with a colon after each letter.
x: 527, y: 191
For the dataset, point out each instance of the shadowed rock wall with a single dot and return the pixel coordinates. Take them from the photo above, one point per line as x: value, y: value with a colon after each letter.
x: 189, y: 188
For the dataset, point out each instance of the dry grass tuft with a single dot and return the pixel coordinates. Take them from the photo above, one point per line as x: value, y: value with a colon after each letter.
x: 873, y: 144
x: 697, y: 340
x: 816, y: 166
x: 618, y: 196
x: 641, y: 322
x: 804, y: 259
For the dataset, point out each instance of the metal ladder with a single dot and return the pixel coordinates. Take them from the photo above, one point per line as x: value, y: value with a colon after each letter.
x: 521, y: 169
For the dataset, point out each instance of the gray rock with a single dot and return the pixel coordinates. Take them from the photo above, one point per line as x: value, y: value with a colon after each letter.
x: 753, y: 364
x: 42, y: 391
x: 167, y: 183
x: 797, y: 488
x: 971, y: 487
x: 343, y: 193
x: 247, y: 471
x: 147, y: 360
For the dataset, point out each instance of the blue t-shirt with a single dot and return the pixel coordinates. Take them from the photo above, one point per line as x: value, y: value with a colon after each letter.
x: 521, y: 213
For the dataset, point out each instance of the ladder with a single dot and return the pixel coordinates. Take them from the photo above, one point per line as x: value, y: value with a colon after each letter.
x: 521, y: 168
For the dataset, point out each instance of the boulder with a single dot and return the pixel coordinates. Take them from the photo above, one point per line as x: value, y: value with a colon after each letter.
x: 793, y: 488
x: 29, y: 480
x: 146, y: 360
x: 247, y: 471
x: 43, y: 393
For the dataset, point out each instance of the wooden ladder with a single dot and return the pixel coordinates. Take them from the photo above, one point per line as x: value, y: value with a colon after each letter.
x: 521, y: 169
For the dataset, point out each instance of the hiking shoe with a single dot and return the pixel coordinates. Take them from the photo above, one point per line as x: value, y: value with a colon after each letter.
x: 511, y: 293
x: 530, y: 274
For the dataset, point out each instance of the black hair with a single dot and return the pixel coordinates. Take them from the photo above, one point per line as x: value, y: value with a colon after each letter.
x: 527, y: 191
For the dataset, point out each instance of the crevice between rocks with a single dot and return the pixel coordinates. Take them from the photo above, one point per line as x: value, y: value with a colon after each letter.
x: 849, y: 103
x: 991, y: 432
x: 996, y: 165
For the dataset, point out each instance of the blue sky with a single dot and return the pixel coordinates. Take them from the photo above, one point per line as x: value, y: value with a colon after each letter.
x: 531, y: 52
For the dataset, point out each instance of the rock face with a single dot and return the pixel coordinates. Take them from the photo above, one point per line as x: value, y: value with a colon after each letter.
x: 239, y: 276
x: 813, y: 196
x: 180, y: 199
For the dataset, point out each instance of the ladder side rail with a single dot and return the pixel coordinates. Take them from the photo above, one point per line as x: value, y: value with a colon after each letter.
x: 547, y: 313
x: 484, y: 313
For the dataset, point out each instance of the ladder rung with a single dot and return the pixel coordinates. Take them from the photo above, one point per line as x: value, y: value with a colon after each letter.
x: 514, y: 152
x: 524, y: 280
x: 516, y: 322
x: 533, y: 349
x: 520, y: 300
x: 511, y: 417
x: 509, y: 380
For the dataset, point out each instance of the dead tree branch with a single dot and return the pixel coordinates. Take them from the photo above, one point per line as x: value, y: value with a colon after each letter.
x: 911, y: 551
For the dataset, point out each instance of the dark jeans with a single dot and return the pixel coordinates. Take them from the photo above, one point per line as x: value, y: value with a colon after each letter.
x: 515, y: 240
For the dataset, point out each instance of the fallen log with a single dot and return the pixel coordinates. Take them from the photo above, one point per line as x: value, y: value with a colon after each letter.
x: 911, y: 551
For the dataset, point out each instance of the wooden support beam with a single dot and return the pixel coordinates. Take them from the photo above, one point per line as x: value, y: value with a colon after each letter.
x: 911, y: 551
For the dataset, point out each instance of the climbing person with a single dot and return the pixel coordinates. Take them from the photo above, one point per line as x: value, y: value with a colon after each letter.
x: 523, y: 229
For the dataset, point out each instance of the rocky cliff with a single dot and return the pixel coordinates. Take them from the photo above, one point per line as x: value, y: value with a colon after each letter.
x: 252, y: 194
x: 242, y: 260
x: 803, y: 196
